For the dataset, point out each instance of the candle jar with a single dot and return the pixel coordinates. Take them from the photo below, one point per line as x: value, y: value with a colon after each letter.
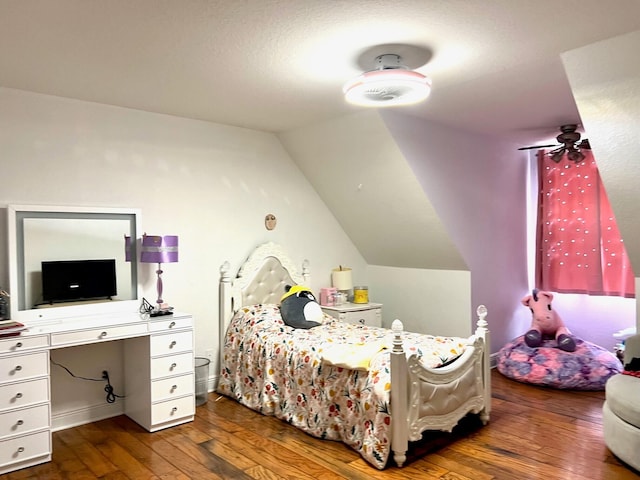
x: 360, y: 294
x: 340, y: 299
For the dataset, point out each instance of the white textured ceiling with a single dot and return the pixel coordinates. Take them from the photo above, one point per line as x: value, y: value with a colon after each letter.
x: 275, y: 65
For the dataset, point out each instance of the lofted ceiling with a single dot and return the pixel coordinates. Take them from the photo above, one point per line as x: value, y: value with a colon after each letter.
x: 277, y: 65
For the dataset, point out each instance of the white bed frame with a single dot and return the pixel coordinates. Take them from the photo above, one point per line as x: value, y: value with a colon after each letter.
x: 421, y: 398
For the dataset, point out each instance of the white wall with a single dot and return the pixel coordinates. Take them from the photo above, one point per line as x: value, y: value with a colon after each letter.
x: 210, y: 184
x: 466, y: 195
x: 477, y: 185
x: 435, y: 302
x: 357, y: 168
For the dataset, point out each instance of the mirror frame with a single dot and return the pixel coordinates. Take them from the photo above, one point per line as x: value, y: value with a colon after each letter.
x: 16, y: 214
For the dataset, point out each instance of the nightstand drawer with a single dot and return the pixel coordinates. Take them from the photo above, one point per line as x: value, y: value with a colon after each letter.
x: 174, y: 342
x: 25, y: 420
x: 20, y: 394
x: 20, y: 367
x: 172, y: 387
x: 369, y: 314
x: 363, y: 317
x: 172, y: 410
x: 171, y: 365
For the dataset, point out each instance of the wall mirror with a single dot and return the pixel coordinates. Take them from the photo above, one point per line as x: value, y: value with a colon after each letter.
x: 39, y: 234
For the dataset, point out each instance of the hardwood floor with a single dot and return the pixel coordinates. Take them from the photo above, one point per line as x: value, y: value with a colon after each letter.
x: 534, y: 433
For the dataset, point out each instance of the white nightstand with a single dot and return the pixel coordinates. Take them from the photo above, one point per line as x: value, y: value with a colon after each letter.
x: 359, y: 313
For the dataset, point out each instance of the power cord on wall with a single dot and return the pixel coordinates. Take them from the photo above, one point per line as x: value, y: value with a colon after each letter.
x: 111, y: 396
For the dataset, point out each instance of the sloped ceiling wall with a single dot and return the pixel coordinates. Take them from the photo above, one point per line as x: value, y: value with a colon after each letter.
x: 356, y: 167
x: 605, y: 80
x: 413, y: 194
x: 477, y: 185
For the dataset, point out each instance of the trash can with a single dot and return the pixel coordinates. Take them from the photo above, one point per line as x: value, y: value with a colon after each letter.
x: 202, y: 380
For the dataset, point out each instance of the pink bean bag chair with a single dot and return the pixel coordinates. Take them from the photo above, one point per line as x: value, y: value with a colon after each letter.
x: 548, y: 355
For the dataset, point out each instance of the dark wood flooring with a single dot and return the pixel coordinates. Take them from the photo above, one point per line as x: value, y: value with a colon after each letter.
x: 534, y: 433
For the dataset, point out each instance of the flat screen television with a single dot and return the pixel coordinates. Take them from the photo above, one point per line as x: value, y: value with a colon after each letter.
x: 70, y: 280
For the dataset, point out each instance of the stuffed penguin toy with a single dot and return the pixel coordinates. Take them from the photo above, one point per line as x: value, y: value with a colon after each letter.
x: 299, y: 308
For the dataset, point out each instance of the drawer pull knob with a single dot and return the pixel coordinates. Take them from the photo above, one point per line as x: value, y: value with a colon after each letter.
x: 18, y: 395
x: 173, y: 344
x: 18, y: 345
x: 174, y: 409
x: 172, y: 324
x: 20, y: 449
x: 18, y: 368
x: 103, y: 334
x: 174, y: 388
x: 20, y: 422
x: 173, y: 365
x: 361, y: 321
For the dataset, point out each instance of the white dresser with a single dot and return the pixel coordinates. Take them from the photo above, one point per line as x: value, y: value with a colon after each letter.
x: 359, y: 313
x: 161, y: 392
x: 25, y: 410
x: 159, y: 377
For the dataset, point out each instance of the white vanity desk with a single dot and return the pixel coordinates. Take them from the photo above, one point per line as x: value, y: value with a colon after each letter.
x: 158, y: 367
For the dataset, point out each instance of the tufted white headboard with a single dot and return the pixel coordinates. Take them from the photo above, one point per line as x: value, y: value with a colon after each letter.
x: 261, y: 279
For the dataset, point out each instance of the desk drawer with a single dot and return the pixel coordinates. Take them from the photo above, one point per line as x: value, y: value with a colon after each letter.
x: 24, y: 420
x: 23, y: 448
x: 98, y: 334
x: 20, y: 394
x: 20, y: 367
x: 171, y: 365
x: 20, y: 343
x: 172, y: 387
x: 172, y: 410
x: 175, y: 342
x: 170, y: 323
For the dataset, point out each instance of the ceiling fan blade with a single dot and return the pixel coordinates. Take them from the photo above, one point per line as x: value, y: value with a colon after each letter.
x: 560, y: 149
x: 536, y: 146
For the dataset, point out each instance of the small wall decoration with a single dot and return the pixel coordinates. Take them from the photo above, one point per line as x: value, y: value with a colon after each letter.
x: 270, y: 221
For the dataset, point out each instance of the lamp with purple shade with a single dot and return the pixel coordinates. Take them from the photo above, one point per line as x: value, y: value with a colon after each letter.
x: 159, y: 249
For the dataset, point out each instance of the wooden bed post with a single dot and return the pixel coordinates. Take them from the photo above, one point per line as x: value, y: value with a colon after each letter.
x: 399, y: 373
x: 483, y: 332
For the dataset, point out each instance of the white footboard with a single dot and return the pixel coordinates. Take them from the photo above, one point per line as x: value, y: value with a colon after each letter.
x: 437, y: 399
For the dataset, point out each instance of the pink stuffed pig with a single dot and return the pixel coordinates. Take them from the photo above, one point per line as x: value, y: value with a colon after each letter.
x: 546, y: 322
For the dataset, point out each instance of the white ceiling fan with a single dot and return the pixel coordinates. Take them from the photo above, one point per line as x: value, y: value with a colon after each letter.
x: 391, y: 81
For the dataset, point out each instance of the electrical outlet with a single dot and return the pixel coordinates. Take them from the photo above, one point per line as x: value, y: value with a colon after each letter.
x: 104, y: 371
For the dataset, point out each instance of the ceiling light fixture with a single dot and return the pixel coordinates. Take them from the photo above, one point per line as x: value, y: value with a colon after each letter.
x: 389, y: 84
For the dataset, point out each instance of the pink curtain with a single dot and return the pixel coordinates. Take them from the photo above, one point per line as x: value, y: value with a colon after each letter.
x: 579, y: 248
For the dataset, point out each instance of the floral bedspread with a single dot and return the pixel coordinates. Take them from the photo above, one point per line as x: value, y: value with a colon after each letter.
x: 278, y: 370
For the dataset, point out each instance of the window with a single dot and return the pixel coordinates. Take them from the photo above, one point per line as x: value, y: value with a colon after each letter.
x: 578, y: 245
